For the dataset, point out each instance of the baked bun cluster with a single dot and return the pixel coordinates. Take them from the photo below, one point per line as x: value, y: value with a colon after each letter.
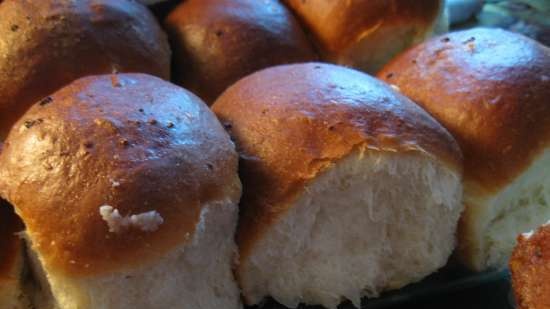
x: 490, y: 89
x: 46, y: 44
x: 119, y: 189
x: 128, y: 188
x: 530, y: 268
x: 345, y: 182
x: 217, y: 42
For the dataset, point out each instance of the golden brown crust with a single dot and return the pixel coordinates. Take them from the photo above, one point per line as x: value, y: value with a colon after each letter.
x: 530, y: 268
x: 45, y: 44
x: 291, y: 122
x: 131, y: 141
x: 217, y: 42
x: 10, y: 243
x: 490, y: 89
x: 339, y: 25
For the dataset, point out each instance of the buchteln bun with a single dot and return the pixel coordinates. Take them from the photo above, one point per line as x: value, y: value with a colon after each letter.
x: 128, y: 188
x: 530, y: 268
x: 45, y: 44
x: 365, y: 34
x: 490, y: 89
x: 345, y: 182
x: 11, y: 260
x: 217, y: 42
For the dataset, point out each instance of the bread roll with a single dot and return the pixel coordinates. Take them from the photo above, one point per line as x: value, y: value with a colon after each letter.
x: 490, y: 89
x: 11, y: 260
x: 45, y: 44
x: 128, y: 188
x: 350, y: 189
x: 530, y: 268
x: 365, y: 34
x: 217, y: 42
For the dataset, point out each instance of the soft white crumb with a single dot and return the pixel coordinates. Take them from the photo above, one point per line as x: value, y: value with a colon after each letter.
x: 147, y: 221
x: 395, y: 87
x: 529, y: 234
x: 115, y: 183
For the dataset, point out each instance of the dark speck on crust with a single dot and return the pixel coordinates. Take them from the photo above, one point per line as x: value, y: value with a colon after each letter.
x: 538, y: 252
x: 46, y: 100
x: 31, y: 123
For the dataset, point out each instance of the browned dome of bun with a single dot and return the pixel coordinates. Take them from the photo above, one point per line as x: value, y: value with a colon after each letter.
x: 131, y: 141
x: 366, y: 33
x: 293, y: 121
x: 490, y: 88
x: 45, y: 44
x: 217, y: 42
x: 530, y: 268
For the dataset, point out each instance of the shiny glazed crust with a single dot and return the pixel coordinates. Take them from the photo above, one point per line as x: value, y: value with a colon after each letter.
x: 339, y: 25
x: 45, y: 44
x: 131, y: 141
x: 291, y: 122
x: 490, y: 89
x: 217, y: 42
x: 530, y: 268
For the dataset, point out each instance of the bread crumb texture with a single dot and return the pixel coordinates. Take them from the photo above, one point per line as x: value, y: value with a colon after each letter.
x: 146, y: 221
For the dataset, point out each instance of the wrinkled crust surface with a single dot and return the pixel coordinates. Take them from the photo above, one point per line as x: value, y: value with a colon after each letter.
x: 131, y: 141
